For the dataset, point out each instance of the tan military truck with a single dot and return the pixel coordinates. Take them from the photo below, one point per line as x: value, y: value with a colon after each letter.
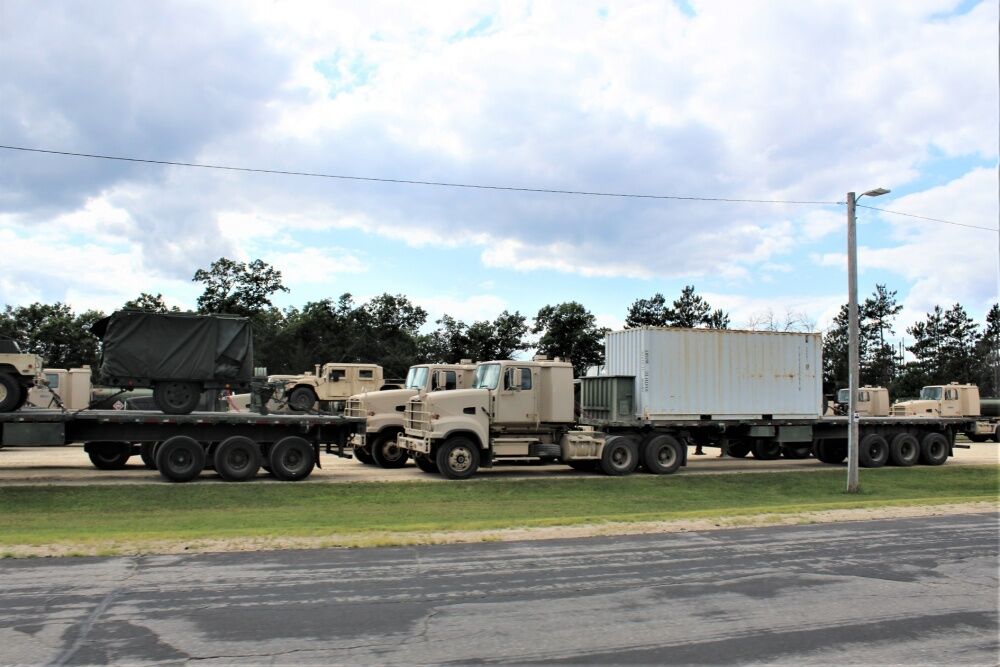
x: 383, y: 411
x: 330, y: 385
x: 951, y: 400
x: 19, y: 372
x: 872, y: 401
x: 70, y: 387
x: 515, y: 409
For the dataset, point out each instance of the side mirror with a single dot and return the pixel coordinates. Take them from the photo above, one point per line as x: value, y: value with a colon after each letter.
x: 510, y: 380
x: 438, y: 381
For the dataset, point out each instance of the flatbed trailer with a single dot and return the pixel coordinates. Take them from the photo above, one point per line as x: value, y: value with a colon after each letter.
x: 236, y: 444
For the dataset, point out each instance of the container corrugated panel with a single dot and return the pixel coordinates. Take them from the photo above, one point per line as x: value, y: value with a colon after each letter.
x: 719, y: 374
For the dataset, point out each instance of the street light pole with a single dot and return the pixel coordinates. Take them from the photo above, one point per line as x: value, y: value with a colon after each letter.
x: 853, y: 364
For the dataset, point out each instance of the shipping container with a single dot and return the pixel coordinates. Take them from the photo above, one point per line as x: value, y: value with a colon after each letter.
x: 701, y: 374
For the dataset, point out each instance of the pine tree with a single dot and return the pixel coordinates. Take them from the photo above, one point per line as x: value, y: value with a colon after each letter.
x: 988, y: 354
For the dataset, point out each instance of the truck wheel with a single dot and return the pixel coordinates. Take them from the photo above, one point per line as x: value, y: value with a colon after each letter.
x: 738, y: 449
x: 661, y: 454
x: 996, y: 435
x: 147, y: 452
x: 765, y: 450
x: 237, y: 459
x: 302, y: 399
x: 387, y: 453
x: 458, y: 458
x: 177, y: 398
x: 109, y: 455
x: 796, y: 451
x: 873, y: 451
x: 364, y: 456
x: 180, y: 458
x: 292, y: 459
x: 585, y: 465
x: 904, y: 450
x: 831, y: 451
x: 10, y: 393
x: 425, y: 463
x: 620, y: 456
x: 933, y: 449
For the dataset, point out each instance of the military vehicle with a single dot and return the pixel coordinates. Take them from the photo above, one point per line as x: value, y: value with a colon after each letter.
x: 178, y: 355
x: 952, y: 400
x: 329, y: 385
x: 659, y: 395
x: 383, y: 411
x: 19, y: 372
x: 872, y: 402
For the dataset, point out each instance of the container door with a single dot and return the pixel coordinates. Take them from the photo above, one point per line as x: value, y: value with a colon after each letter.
x: 517, y: 398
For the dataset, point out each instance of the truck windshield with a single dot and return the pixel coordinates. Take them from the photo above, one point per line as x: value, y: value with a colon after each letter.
x: 930, y: 394
x: 417, y: 377
x: 844, y: 396
x: 487, y: 376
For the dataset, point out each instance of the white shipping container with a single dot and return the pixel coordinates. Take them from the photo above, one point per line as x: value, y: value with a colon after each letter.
x: 719, y: 374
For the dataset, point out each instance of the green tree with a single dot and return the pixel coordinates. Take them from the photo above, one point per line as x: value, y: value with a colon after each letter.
x: 149, y: 303
x: 651, y: 312
x: 958, y: 349
x: 238, y: 288
x: 453, y: 340
x: 688, y: 311
x: 988, y: 354
x: 880, y: 360
x: 54, y: 332
x: 570, y: 331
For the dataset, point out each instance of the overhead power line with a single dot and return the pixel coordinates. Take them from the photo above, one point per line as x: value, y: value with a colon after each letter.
x: 474, y: 186
x: 407, y: 181
x: 923, y: 217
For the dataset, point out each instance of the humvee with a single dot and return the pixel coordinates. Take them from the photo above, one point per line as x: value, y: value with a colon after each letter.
x: 332, y: 384
x: 19, y: 372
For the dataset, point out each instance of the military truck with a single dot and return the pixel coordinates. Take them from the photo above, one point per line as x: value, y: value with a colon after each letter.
x: 664, y: 389
x: 19, y: 371
x: 384, y: 412
x: 330, y: 385
x: 952, y: 400
x: 872, y: 401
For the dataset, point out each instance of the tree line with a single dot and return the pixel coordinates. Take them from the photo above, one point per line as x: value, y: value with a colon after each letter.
x: 390, y: 330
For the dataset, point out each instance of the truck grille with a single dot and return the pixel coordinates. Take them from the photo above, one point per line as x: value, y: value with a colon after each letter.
x: 355, y: 408
x: 898, y: 411
x: 416, y: 416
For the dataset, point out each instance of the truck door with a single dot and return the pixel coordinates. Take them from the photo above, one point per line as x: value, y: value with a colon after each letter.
x: 516, y: 397
x: 949, y: 406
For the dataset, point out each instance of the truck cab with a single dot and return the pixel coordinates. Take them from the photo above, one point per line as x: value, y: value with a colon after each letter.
x: 872, y: 401
x: 383, y: 410
x: 514, y: 409
x: 331, y: 384
x: 949, y: 400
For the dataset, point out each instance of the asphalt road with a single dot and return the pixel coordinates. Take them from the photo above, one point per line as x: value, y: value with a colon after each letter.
x: 907, y: 591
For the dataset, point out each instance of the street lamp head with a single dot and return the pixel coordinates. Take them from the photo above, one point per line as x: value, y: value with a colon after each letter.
x: 876, y: 192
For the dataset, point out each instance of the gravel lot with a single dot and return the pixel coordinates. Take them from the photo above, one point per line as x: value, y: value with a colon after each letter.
x: 70, y: 465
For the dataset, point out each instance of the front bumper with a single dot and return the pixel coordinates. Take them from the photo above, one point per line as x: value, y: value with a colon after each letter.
x: 414, y: 444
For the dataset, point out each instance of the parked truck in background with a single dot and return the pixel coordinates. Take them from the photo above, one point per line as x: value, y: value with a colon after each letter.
x: 383, y: 411
x: 956, y: 400
x: 19, y: 372
x: 872, y: 402
x: 663, y: 389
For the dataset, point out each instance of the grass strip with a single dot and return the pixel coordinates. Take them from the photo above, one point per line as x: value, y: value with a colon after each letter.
x: 91, y: 515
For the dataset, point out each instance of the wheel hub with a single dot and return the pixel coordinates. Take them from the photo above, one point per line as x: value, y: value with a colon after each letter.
x: 460, y: 459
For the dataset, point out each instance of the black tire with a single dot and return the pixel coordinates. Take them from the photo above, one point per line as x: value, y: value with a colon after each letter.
x: 831, y: 451
x: 177, y: 398
x: 425, y: 463
x: 364, y: 456
x: 933, y: 449
x: 180, y: 458
x: 796, y: 451
x: 110, y: 455
x: 10, y: 393
x: 662, y: 454
x: 237, y: 459
x: 765, y: 450
x: 585, y: 465
x: 738, y: 449
x: 302, y: 399
x: 387, y: 453
x: 873, y: 451
x: 904, y: 450
x: 619, y: 457
x: 147, y: 452
x: 457, y: 458
x: 292, y: 459
x: 996, y: 434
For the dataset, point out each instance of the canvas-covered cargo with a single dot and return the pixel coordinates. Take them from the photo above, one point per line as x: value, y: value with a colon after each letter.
x: 142, y: 348
x: 718, y: 374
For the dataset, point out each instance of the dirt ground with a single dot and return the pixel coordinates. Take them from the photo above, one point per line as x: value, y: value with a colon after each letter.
x: 70, y: 465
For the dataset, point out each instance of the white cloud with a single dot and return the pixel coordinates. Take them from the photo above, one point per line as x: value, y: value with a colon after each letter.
x: 466, y: 309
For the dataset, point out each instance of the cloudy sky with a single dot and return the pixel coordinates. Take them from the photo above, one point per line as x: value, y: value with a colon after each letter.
x: 778, y: 100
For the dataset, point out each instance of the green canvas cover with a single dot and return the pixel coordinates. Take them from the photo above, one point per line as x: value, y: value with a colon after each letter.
x: 143, y: 347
